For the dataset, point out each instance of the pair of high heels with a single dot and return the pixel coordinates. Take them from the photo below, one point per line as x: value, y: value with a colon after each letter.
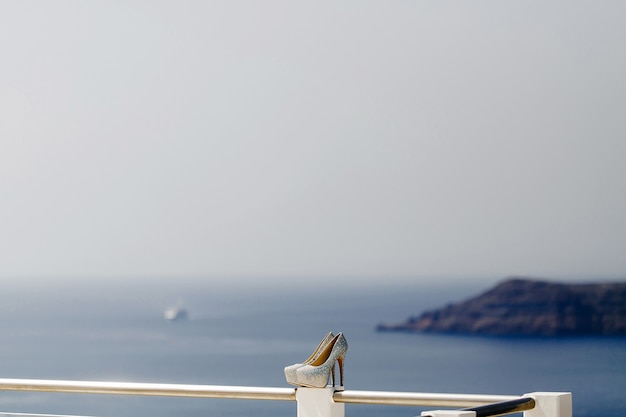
x: 315, y: 371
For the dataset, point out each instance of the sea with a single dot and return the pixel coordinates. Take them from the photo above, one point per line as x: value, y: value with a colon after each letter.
x: 244, y: 334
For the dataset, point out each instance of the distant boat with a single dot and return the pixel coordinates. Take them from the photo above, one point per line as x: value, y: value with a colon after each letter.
x: 175, y: 314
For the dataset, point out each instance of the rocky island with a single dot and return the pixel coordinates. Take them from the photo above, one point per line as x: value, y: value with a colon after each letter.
x: 528, y: 307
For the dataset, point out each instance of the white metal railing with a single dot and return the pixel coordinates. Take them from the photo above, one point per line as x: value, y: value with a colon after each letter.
x: 320, y: 402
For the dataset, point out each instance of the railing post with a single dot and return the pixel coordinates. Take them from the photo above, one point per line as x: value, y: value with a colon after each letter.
x: 550, y: 404
x: 449, y: 413
x: 318, y: 402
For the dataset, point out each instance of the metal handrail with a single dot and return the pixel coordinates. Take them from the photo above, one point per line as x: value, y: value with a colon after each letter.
x: 151, y: 389
x: 418, y: 398
x: 12, y: 414
x: 250, y: 393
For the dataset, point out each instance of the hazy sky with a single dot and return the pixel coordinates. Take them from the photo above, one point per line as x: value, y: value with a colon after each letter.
x: 344, y: 139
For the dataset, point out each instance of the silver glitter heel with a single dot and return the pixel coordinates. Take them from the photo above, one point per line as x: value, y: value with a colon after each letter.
x: 290, y: 371
x: 316, y: 373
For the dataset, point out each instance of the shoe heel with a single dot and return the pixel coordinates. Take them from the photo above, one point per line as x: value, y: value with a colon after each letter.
x: 340, y: 361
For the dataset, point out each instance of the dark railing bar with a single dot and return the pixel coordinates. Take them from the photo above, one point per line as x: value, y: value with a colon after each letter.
x: 502, y: 408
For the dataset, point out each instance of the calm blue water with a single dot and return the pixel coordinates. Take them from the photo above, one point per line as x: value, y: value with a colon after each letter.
x: 246, y: 336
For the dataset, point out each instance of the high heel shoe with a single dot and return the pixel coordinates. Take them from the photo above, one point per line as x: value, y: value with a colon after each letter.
x: 317, y: 372
x: 290, y: 371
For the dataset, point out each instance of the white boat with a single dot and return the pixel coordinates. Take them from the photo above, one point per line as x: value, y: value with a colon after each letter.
x: 175, y: 313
